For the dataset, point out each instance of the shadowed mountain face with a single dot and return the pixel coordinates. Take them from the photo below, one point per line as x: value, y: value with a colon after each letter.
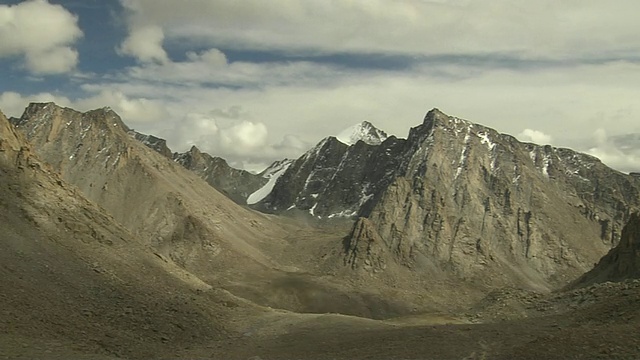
x: 622, y: 262
x: 155, y: 143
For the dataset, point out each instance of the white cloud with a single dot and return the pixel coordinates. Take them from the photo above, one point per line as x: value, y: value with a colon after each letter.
x: 541, y: 29
x: 145, y: 44
x: 230, y: 138
x: 244, y: 138
x: 213, y: 57
x: 619, y: 152
x: 534, y: 136
x: 53, y: 61
x: 42, y: 33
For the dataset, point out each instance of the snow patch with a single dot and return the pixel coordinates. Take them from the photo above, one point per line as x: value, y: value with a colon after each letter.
x: 264, y: 191
x: 463, y: 154
x: 312, y: 210
x: 343, y: 214
x: 545, y: 166
x: 484, y: 139
x: 364, y: 131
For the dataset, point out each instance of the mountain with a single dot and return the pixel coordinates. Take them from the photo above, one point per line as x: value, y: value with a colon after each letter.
x: 163, y: 204
x: 74, y: 283
x: 365, y: 131
x: 463, y: 198
x: 181, y: 219
x: 236, y: 184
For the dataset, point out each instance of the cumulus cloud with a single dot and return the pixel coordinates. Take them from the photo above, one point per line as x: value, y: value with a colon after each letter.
x: 42, y: 33
x: 145, y: 44
x: 535, y: 136
x: 244, y: 143
x: 230, y: 138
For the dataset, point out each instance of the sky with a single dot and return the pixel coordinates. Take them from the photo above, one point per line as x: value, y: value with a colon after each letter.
x: 254, y: 81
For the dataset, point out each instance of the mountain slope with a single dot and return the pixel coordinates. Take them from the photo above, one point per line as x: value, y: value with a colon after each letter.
x: 76, y: 284
x: 155, y: 143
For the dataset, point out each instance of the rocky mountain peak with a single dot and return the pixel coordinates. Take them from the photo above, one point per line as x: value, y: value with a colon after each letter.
x: 155, y: 143
x: 194, y: 150
x: 435, y: 115
x: 57, y: 120
x: 364, y: 131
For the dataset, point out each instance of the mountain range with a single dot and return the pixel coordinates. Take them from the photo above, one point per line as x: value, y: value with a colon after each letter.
x: 114, y: 246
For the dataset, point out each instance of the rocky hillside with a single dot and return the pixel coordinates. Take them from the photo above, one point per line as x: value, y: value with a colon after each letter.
x: 159, y: 201
x: 462, y: 197
x: 236, y: 184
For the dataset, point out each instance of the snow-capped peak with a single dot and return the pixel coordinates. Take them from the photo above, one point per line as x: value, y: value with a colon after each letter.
x: 364, y: 131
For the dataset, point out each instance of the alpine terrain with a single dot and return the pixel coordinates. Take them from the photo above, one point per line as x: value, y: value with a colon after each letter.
x: 457, y: 242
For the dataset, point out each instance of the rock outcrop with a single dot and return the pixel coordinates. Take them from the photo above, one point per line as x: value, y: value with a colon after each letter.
x: 478, y: 202
x: 155, y: 143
